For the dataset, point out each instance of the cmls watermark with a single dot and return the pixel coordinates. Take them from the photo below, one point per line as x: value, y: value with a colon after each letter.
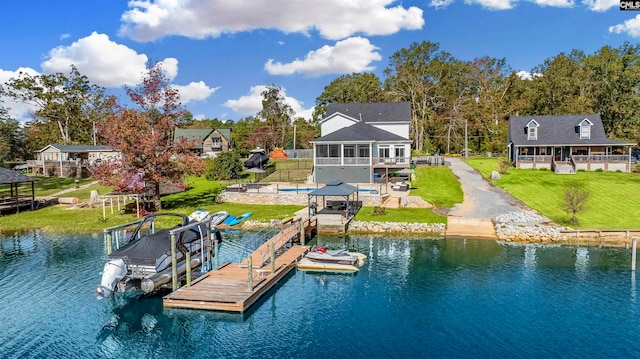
x: 629, y: 5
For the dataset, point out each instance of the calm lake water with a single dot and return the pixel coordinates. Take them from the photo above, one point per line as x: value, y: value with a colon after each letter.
x: 413, y: 298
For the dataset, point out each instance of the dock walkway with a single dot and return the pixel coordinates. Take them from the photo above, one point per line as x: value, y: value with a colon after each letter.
x: 235, y: 287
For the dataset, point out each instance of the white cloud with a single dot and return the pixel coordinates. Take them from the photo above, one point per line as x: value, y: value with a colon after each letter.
x: 195, y: 91
x: 19, y: 111
x: 526, y: 75
x: 555, y: 3
x: 334, y: 19
x: 347, y: 56
x: 493, y: 4
x: 103, y: 61
x: 441, y: 4
x: 509, y: 4
x: 630, y: 27
x: 251, y: 104
x: 601, y: 5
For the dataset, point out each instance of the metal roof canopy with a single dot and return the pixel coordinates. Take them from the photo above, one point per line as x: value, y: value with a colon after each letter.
x: 335, y: 188
x: 14, y: 178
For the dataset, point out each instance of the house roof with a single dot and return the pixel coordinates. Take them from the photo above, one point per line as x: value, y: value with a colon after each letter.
x: 77, y: 148
x: 361, y: 132
x: 226, y: 132
x: 373, y: 111
x: 559, y: 130
x: 193, y: 134
x: 9, y: 176
x: 334, y: 188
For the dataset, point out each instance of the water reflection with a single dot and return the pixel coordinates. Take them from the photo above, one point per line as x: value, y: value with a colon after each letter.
x: 412, y: 298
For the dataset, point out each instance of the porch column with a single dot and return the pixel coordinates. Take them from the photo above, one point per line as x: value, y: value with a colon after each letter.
x: 342, y: 154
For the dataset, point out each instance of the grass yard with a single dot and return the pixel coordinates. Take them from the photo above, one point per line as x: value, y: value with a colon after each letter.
x: 45, y: 186
x: 437, y: 185
x: 614, y: 197
x: 410, y: 215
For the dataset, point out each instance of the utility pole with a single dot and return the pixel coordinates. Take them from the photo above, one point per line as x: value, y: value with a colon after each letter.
x: 294, y: 138
x: 466, y: 140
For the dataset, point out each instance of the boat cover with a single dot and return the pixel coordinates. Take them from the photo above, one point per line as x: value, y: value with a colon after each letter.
x: 154, y: 250
x: 258, y: 159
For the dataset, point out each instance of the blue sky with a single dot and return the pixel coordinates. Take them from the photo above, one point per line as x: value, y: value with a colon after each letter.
x: 221, y: 53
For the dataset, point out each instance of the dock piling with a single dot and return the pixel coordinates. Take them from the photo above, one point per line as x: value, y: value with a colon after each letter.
x: 174, y: 263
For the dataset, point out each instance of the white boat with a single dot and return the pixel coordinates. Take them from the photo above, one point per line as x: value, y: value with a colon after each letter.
x: 144, y: 262
x: 342, y: 256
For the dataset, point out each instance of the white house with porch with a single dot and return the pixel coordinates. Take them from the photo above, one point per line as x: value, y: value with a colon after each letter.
x: 363, y: 142
x: 565, y: 144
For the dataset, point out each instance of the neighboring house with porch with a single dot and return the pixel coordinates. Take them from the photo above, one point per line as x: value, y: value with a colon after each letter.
x: 207, y: 142
x: 362, y: 142
x: 70, y: 160
x: 565, y: 144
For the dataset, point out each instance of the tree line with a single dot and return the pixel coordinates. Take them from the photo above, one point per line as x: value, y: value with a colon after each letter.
x: 446, y: 94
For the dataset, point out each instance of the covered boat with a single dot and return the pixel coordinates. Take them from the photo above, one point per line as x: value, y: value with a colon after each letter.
x: 144, y: 262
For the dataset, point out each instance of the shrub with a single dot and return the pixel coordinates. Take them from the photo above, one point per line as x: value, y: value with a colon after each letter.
x: 503, y: 166
x: 599, y: 170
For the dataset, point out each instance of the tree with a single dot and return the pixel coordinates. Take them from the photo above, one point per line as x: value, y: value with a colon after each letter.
x: 226, y: 166
x: 575, y: 200
x: 355, y: 87
x: 264, y: 137
x: 66, y: 107
x: 150, y: 156
x: 11, y: 137
x: 276, y: 115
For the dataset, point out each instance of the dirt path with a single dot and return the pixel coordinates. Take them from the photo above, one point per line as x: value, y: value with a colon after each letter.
x: 60, y: 193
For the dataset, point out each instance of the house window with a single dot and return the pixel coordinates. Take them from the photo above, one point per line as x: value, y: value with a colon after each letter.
x: 334, y: 150
x: 349, y: 151
x: 585, y: 131
x: 383, y: 152
x: 322, y: 151
x: 532, y: 130
x: 400, y: 155
x: 363, y: 151
x: 533, y: 133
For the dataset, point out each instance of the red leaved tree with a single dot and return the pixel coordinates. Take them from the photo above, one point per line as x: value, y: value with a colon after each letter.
x: 150, y: 154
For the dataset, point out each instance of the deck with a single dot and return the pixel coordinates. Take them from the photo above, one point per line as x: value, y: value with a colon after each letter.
x: 235, y: 287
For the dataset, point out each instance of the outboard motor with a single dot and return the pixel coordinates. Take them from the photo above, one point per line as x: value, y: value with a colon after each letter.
x: 113, y: 272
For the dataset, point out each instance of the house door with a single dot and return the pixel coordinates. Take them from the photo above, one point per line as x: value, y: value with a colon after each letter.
x: 557, y: 153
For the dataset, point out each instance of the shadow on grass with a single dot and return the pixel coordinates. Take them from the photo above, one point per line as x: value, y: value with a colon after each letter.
x: 190, y: 198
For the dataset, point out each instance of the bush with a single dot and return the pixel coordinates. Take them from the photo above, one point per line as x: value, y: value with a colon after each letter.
x: 226, y: 166
x: 504, y: 166
x: 599, y: 170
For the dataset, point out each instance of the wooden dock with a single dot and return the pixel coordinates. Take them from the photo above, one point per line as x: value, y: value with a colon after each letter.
x: 235, y: 287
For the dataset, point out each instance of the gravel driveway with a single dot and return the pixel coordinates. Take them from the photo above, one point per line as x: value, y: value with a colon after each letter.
x: 483, y: 200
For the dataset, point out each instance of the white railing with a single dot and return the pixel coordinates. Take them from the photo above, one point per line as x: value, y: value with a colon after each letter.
x: 600, y: 158
x: 535, y: 158
x: 386, y: 161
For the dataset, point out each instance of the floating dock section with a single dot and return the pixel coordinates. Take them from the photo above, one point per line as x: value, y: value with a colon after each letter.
x: 235, y: 287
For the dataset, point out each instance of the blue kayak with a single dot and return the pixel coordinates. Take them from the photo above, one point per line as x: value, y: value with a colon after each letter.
x: 239, y: 219
x: 228, y: 220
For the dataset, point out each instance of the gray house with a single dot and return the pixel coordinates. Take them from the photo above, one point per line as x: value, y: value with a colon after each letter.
x: 565, y: 144
x: 363, y: 142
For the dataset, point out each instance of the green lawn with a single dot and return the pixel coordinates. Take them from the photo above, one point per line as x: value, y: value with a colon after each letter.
x: 437, y: 185
x: 45, y: 186
x: 410, y: 215
x: 614, y: 197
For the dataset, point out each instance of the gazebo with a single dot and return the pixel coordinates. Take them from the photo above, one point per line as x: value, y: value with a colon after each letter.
x: 13, y: 200
x: 336, y: 188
